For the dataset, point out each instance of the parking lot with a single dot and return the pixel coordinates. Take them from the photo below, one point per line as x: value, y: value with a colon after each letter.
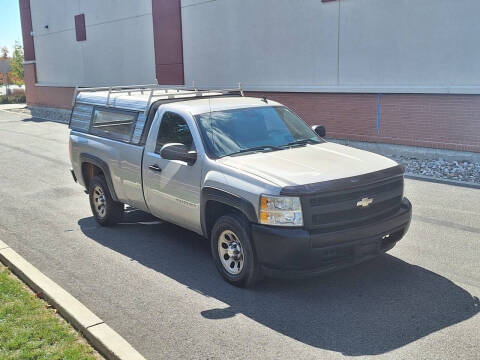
x: 156, y: 285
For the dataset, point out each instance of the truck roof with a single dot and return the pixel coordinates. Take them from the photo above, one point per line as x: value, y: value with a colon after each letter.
x: 192, y: 100
x: 202, y: 106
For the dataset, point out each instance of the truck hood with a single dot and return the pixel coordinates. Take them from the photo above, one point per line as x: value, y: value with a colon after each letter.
x: 309, y: 164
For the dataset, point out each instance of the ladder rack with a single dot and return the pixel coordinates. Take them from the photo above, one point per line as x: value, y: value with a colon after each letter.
x: 171, y: 92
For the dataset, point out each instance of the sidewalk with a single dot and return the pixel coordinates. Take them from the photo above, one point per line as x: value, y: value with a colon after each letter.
x: 12, y: 106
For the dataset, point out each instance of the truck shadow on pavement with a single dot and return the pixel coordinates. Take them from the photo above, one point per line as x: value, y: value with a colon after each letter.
x: 370, y: 309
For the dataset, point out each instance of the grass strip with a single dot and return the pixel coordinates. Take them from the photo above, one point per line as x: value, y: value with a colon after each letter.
x: 29, y: 329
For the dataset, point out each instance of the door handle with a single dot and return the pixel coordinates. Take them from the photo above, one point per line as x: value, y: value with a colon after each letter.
x: 155, y: 167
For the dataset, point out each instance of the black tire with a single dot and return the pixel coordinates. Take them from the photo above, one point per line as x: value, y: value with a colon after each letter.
x: 238, y: 224
x: 113, y: 213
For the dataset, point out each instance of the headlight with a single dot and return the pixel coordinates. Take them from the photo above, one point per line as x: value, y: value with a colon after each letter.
x: 280, y: 211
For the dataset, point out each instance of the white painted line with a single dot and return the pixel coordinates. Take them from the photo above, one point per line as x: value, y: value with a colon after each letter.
x: 103, y: 338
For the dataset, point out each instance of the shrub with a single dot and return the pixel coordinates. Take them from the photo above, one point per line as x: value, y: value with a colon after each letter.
x: 12, y: 99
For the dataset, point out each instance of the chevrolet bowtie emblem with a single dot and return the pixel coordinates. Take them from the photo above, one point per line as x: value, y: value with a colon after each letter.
x: 365, y: 202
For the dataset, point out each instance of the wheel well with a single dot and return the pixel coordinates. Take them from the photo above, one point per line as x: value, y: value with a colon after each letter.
x: 89, y: 171
x: 215, y: 209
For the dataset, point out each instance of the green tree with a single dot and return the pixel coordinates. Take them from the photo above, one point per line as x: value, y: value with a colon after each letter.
x: 16, y: 64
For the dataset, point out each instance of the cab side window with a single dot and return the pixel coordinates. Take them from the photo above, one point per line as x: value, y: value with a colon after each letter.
x: 173, y: 129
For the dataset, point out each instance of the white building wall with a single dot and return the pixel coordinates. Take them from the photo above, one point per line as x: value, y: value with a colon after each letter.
x: 119, y: 49
x: 345, y: 46
x: 277, y: 43
x: 270, y: 45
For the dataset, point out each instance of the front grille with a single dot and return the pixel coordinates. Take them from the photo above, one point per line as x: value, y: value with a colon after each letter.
x: 339, y: 210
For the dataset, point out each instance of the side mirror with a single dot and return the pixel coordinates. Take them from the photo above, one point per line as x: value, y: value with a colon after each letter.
x: 176, y: 151
x: 320, y: 130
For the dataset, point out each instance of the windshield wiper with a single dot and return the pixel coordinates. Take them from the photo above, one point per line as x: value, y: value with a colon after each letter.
x: 302, y: 142
x: 257, y: 148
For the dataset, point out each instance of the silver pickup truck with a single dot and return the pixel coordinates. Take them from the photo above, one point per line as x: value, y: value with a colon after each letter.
x: 269, y: 193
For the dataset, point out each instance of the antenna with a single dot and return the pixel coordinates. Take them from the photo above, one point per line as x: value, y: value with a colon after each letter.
x: 108, y: 97
x: 75, y: 93
x: 240, y: 88
x: 212, y: 134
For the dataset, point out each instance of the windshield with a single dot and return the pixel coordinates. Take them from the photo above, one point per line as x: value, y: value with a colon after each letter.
x: 240, y: 131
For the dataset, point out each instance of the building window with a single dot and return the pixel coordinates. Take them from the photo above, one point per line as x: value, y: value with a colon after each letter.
x: 80, y: 27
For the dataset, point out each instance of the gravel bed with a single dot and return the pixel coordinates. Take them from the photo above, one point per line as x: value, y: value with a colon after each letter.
x: 45, y: 113
x: 458, y: 170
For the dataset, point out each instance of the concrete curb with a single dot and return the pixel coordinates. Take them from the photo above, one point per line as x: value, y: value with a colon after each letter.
x: 51, y: 120
x: 418, y: 152
x: 470, y: 185
x: 105, y: 340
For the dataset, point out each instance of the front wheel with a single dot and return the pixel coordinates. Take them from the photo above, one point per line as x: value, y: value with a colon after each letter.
x: 105, y: 210
x: 232, y: 251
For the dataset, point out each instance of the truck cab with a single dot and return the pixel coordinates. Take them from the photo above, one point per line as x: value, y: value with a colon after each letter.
x: 269, y: 193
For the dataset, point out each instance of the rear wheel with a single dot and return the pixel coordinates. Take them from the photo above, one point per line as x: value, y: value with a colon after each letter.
x: 105, y: 210
x: 233, y: 252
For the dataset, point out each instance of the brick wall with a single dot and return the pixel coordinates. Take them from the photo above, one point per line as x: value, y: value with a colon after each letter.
x: 437, y: 121
x: 26, y: 20
x: 167, y: 34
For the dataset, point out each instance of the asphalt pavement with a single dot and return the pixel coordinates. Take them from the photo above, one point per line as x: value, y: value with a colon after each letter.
x: 155, y: 284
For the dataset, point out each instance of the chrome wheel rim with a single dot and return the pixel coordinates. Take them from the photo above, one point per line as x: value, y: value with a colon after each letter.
x: 99, y: 201
x: 230, y: 252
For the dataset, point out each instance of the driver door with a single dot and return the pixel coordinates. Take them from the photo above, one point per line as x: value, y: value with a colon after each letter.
x: 172, y: 187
